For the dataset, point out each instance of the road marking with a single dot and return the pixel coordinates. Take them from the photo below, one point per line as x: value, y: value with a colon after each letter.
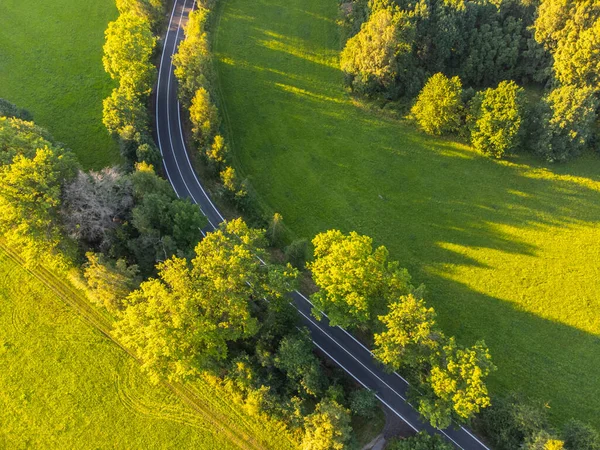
x: 365, y: 386
x: 157, y: 98
x: 223, y: 219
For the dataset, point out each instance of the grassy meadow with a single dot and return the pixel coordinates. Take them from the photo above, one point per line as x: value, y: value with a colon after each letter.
x: 508, y: 249
x: 51, y: 64
x: 69, y: 386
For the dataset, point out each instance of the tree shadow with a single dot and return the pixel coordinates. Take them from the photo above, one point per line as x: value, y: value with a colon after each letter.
x: 479, y: 233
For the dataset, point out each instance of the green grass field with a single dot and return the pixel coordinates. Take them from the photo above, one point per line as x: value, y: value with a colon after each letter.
x: 51, y: 64
x: 69, y: 386
x: 508, y: 250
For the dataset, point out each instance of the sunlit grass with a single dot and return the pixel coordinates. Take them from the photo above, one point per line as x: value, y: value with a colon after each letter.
x: 64, y: 385
x: 51, y: 64
x: 508, y: 250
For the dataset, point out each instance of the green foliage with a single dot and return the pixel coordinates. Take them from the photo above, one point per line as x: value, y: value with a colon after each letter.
x: 7, y: 109
x: 32, y: 179
x: 124, y: 114
x: 181, y: 322
x: 511, y: 421
x: 570, y: 30
x: 297, y: 253
x: 455, y: 385
x: 109, y: 282
x: 543, y: 441
x: 498, y: 115
x: 355, y: 281
x: 567, y: 123
x: 164, y: 225
x: 579, y: 436
x: 410, y: 335
x: 193, y: 58
x: 373, y: 58
x: 149, y: 9
x: 204, y: 117
x: 295, y: 357
x: 127, y: 54
x: 328, y: 428
x: 421, y: 441
x: 439, y: 108
x: 364, y: 403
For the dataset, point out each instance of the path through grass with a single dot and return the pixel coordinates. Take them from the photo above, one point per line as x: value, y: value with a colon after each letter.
x: 51, y: 64
x: 508, y: 250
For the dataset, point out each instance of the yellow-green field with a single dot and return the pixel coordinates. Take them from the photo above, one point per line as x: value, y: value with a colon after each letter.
x: 509, y: 250
x: 51, y: 64
x: 63, y: 385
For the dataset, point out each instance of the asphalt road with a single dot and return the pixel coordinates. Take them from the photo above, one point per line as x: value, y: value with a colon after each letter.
x: 334, y: 342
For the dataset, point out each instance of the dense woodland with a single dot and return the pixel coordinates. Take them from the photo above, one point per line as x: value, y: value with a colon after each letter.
x: 468, y: 66
x: 191, y: 306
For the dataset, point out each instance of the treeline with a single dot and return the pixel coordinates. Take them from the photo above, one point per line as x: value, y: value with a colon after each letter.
x: 398, y: 49
x: 195, y: 73
x: 128, y: 52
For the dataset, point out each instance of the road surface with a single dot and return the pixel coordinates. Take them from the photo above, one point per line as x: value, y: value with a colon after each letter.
x: 336, y: 343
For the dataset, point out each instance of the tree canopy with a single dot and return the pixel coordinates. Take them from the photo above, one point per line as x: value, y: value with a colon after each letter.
x: 355, y: 280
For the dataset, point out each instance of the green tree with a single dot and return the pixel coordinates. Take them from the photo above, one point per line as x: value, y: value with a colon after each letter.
x: 297, y: 253
x: 579, y: 436
x: 128, y: 52
x: 109, y: 282
x: 124, y: 114
x: 544, y: 441
x: 31, y: 187
x: 181, y: 322
x: 296, y: 358
x: 455, y: 385
x: 328, y: 428
x: 439, y: 108
x: 497, y: 116
x: 363, y: 403
x: 150, y: 9
x: 204, y: 117
x: 567, y: 123
x: 421, y: 441
x: 193, y: 58
x: 355, y: 282
x: 510, y: 421
x: 570, y: 30
x: 410, y: 335
x: 218, y: 152
x: 373, y: 57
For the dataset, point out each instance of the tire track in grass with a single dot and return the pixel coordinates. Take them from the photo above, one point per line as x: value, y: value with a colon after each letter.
x: 76, y: 300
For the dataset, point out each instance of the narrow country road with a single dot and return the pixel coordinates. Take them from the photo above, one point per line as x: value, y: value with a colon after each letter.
x: 336, y: 343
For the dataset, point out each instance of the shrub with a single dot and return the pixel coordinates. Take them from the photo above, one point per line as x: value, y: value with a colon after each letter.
x: 497, y: 115
x: 439, y: 107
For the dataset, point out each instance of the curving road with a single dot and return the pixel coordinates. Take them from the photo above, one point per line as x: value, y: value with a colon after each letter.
x: 337, y: 344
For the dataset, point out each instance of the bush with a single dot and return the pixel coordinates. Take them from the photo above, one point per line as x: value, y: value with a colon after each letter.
x: 579, y: 436
x: 297, y: 253
x: 7, y: 109
x: 439, y: 107
x: 497, y: 115
x: 511, y: 421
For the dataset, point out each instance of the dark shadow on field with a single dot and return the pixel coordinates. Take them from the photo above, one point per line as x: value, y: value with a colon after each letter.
x: 325, y: 163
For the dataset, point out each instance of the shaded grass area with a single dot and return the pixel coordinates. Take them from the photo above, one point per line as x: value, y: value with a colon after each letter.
x: 508, y: 250
x: 66, y: 385
x: 51, y: 64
